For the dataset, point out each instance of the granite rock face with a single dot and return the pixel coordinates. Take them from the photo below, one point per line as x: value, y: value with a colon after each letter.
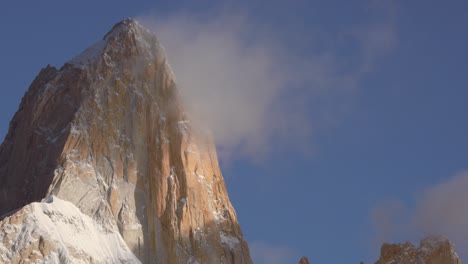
x: 432, y: 250
x: 108, y: 132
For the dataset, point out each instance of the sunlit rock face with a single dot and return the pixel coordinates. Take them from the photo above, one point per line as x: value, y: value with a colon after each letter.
x: 108, y: 133
x: 432, y: 250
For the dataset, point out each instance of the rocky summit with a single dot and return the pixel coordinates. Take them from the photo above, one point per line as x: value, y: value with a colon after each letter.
x: 101, y: 164
x: 432, y: 250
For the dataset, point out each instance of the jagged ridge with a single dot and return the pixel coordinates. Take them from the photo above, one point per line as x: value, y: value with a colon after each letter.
x: 432, y: 250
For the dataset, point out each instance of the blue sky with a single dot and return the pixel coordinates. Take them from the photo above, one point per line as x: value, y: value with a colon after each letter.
x: 384, y: 127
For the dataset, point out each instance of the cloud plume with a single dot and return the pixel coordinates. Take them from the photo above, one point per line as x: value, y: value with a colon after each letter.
x: 440, y: 209
x: 443, y: 209
x: 249, y: 87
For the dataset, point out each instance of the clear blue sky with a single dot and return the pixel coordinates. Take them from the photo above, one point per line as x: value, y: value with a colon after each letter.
x: 401, y: 130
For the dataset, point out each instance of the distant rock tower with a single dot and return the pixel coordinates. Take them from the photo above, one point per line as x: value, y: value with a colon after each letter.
x: 432, y: 250
x: 304, y: 260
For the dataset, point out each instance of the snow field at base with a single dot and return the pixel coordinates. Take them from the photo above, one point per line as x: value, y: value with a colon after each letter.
x: 76, y: 237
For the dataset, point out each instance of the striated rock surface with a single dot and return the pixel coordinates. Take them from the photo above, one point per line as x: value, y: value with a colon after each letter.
x: 108, y: 133
x: 432, y: 250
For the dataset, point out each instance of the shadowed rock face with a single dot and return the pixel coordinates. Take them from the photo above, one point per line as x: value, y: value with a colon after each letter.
x: 432, y: 250
x: 108, y: 132
x: 38, y: 132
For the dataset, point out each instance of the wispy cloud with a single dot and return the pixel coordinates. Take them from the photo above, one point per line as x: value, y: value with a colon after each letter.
x: 255, y: 93
x: 440, y: 209
x: 263, y: 253
x: 443, y: 209
x: 390, y: 222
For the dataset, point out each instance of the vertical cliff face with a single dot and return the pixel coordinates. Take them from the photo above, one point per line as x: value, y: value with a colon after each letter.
x: 432, y: 250
x: 108, y: 133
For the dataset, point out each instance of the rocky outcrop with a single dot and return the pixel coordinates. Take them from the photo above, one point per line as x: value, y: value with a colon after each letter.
x: 108, y: 133
x: 304, y: 260
x: 432, y: 250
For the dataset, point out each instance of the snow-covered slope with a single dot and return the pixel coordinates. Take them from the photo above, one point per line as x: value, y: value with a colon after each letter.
x: 55, y: 231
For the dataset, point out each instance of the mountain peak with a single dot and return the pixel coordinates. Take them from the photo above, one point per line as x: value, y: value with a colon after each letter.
x: 127, y: 39
x: 126, y: 23
x: 109, y: 134
x: 126, y: 26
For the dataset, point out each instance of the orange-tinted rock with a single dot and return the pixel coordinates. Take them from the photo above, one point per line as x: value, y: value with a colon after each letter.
x: 108, y: 132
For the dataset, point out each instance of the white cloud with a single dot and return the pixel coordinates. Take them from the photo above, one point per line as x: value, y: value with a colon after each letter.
x: 250, y: 88
x: 441, y: 209
x: 389, y: 221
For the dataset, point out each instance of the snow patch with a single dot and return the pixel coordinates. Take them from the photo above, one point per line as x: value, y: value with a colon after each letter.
x: 74, y: 130
x: 183, y: 127
x: 230, y: 241
x: 192, y: 260
x: 90, y: 55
